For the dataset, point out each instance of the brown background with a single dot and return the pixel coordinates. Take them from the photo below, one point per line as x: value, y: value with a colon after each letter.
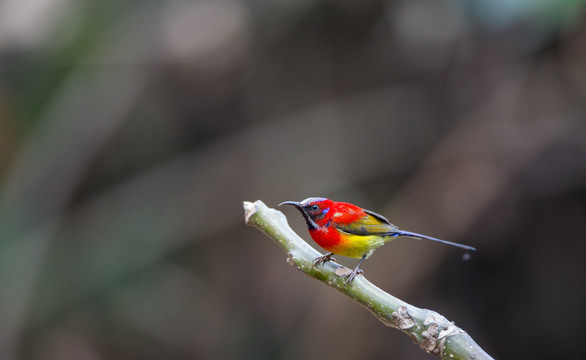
x: 131, y: 132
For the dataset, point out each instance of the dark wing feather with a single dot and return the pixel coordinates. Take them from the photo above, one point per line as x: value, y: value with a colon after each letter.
x: 371, y: 224
x: 379, y: 216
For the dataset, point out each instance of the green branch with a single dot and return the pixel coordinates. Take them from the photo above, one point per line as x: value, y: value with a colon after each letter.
x: 432, y: 331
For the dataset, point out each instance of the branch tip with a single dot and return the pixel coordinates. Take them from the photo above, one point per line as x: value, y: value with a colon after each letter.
x: 249, y: 210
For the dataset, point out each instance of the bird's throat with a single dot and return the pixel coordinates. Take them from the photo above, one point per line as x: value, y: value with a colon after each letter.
x: 311, y: 225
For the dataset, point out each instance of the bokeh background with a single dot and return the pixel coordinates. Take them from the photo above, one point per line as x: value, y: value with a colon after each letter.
x: 132, y: 131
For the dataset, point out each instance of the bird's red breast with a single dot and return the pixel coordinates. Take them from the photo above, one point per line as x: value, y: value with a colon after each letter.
x: 327, y: 237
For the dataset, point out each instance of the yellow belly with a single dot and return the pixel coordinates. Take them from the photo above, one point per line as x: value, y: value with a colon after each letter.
x: 355, y: 246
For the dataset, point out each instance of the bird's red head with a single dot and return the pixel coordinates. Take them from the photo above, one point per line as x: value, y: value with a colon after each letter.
x: 317, y: 211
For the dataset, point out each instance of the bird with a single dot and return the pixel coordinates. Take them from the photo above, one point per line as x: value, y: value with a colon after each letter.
x: 345, y: 229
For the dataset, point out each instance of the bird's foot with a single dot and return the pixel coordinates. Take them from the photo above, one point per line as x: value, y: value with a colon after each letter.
x: 322, y: 259
x: 352, y: 275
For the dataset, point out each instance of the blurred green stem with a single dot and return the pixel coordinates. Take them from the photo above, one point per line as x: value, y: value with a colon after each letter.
x: 432, y: 331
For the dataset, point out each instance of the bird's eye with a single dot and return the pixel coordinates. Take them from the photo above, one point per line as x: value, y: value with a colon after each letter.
x: 314, y: 207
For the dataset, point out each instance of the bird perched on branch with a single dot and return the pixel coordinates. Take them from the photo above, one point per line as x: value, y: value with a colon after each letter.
x: 345, y: 229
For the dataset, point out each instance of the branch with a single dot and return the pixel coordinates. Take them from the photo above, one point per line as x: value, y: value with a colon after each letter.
x: 432, y: 331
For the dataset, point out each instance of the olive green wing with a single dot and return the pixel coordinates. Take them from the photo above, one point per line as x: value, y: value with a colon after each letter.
x: 370, y: 224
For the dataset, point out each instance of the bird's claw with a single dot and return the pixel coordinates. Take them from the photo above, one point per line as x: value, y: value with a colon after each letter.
x: 350, y: 277
x: 323, y: 259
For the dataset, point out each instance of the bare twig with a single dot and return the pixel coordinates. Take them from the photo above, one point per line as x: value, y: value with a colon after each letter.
x: 432, y: 331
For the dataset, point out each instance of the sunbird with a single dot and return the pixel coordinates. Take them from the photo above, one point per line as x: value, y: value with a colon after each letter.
x: 345, y: 229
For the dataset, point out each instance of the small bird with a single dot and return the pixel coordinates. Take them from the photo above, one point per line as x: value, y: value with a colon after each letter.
x: 345, y: 229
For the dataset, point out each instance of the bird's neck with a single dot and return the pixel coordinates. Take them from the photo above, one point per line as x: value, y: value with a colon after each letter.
x: 311, y: 224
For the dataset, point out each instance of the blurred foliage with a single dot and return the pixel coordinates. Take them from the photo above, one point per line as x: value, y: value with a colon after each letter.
x: 131, y: 132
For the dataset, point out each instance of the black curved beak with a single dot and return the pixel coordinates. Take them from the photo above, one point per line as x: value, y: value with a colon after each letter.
x: 294, y: 203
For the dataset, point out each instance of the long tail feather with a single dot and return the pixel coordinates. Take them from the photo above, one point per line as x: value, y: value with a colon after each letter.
x: 420, y: 236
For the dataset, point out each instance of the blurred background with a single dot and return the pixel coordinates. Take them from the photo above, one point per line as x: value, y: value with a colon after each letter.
x: 132, y: 131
